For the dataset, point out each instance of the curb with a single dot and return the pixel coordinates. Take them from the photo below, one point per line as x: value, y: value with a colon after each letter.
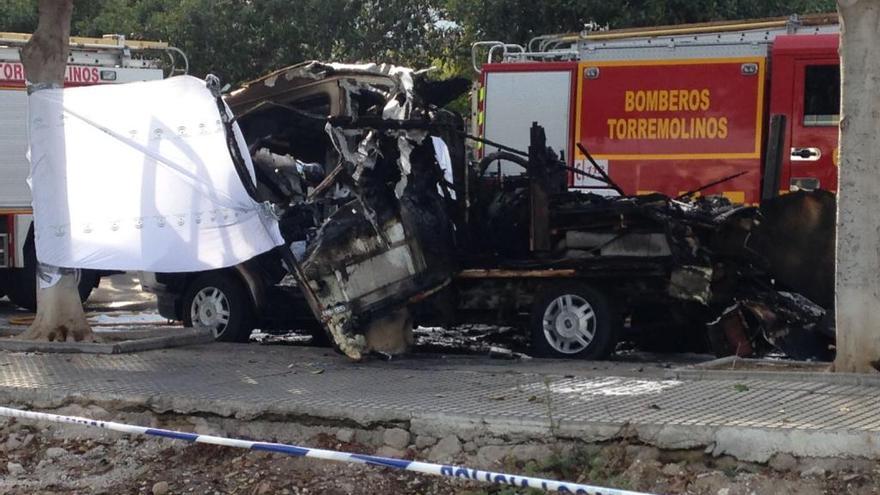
x: 138, y: 341
x: 709, y: 370
x: 746, y: 443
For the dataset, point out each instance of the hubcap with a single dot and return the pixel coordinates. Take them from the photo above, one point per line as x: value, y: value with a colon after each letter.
x: 569, y: 324
x: 210, y: 308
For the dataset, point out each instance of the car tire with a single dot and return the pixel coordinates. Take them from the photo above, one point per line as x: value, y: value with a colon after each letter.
x: 219, y: 301
x: 573, y: 321
x: 23, y: 288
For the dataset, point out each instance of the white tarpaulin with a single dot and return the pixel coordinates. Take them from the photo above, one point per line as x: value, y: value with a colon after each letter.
x: 138, y: 176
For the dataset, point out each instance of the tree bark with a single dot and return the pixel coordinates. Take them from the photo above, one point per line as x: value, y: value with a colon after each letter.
x: 858, y: 225
x: 60, y: 313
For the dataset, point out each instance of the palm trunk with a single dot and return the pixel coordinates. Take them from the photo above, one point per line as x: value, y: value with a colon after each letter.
x: 60, y: 314
x: 858, y: 225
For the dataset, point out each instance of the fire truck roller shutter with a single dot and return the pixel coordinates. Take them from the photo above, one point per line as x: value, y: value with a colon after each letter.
x: 14, y: 167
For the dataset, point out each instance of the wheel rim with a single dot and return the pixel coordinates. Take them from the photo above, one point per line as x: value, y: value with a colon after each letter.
x: 210, y: 308
x: 569, y: 324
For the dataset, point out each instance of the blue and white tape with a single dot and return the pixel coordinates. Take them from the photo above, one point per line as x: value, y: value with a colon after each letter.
x: 332, y: 455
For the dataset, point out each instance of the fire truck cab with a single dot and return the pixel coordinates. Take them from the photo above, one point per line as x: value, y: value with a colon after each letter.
x: 674, y: 108
x: 108, y: 60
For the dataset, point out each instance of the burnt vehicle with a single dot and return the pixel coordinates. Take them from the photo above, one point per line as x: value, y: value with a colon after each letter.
x: 581, y: 270
x: 388, y: 226
x: 341, y: 189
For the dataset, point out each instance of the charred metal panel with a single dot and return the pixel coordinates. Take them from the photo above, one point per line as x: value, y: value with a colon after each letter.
x: 649, y: 245
x: 691, y: 283
x: 345, y: 154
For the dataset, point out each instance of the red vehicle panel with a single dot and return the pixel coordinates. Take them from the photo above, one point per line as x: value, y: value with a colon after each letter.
x: 12, y: 75
x: 673, y: 125
x: 806, y: 90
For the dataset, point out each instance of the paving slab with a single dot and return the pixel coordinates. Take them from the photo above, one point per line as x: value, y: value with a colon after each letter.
x: 749, y: 418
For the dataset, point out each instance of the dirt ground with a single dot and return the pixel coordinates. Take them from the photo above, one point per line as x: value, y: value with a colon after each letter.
x: 53, y: 462
x: 60, y: 459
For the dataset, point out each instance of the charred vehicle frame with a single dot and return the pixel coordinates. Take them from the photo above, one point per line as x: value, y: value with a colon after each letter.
x: 388, y: 226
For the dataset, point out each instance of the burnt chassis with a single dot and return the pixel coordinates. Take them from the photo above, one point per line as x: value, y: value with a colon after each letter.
x: 686, y: 274
x: 635, y: 259
x: 386, y: 244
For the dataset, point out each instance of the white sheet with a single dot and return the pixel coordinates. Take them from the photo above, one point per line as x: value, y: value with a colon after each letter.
x: 138, y: 176
x: 441, y: 151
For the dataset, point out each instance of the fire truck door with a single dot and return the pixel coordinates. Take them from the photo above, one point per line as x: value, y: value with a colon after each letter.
x: 814, y: 127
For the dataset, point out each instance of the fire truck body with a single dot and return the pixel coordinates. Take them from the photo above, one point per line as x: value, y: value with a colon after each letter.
x: 671, y: 110
x: 108, y: 60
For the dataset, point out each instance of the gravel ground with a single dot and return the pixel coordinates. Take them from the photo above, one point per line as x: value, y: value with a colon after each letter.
x: 60, y: 459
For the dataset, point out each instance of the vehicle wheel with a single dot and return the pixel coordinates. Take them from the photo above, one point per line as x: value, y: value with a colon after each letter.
x: 23, y: 288
x: 573, y: 321
x: 219, y: 301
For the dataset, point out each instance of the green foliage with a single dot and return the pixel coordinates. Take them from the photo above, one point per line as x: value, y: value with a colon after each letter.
x: 518, y: 21
x: 242, y: 39
x: 18, y: 16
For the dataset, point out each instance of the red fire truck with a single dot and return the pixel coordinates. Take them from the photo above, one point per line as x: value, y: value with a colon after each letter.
x: 111, y: 59
x: 672, y: 109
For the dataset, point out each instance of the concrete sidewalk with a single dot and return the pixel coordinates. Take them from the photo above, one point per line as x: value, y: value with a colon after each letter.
x: 751, y: 419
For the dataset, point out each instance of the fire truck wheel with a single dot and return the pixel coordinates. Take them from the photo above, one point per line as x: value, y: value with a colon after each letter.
x: 23, y: 287
x: 23, y: 290
x: 573, y: 321
x: 220, y: 302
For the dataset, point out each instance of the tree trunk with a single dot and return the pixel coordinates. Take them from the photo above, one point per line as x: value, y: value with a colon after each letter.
x: 858, y: 225
x: 59, y: 311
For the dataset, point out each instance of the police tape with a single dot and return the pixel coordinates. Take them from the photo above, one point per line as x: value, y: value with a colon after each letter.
x: 459, y: 472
